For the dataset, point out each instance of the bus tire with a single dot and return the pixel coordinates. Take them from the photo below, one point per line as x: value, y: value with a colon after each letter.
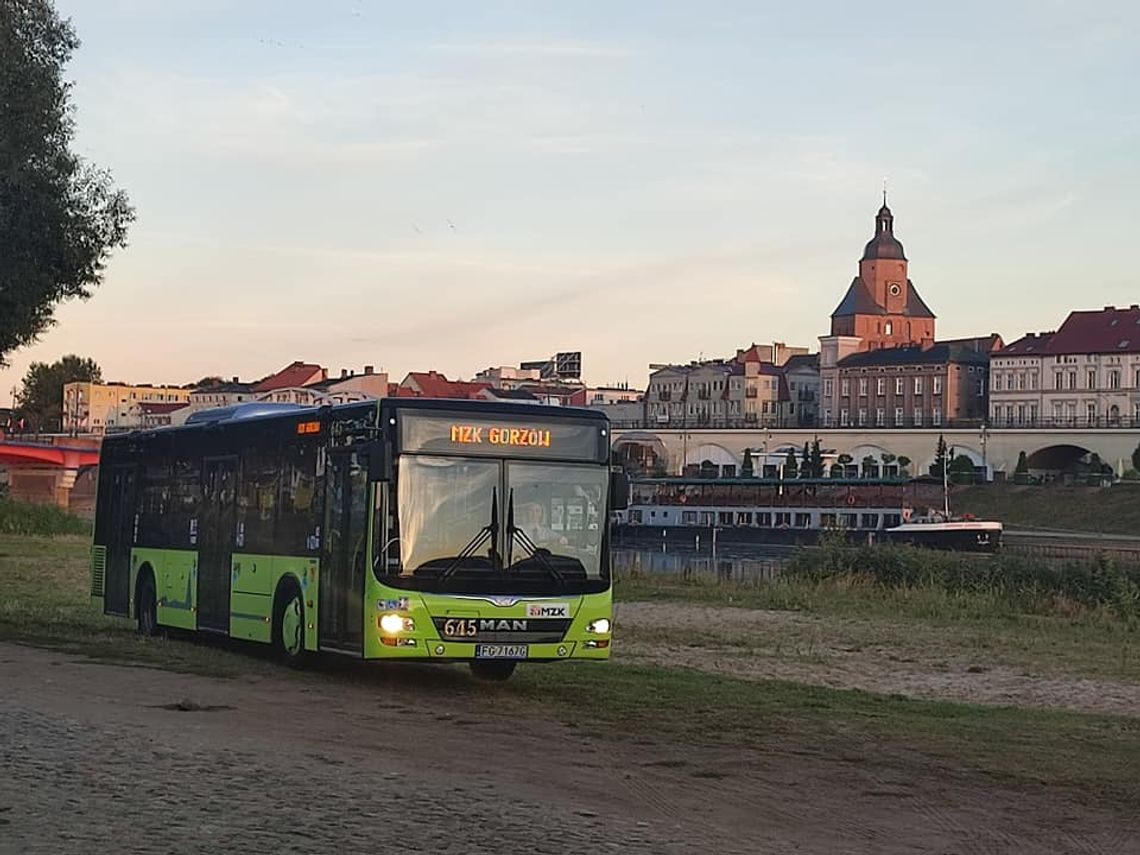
x: 289, y: 623
x: 146, y: 604
x: 493, y: 670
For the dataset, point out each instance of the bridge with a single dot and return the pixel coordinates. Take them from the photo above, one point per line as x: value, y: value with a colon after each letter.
x: 1048, y: 450
x: 46, y: 472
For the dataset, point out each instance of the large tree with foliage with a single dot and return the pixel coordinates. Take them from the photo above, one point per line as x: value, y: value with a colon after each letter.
x: 40, y: 399
x: 1136, y: 459
x: 746, y: 470
x: 816, y: 459
x: 60, y: 216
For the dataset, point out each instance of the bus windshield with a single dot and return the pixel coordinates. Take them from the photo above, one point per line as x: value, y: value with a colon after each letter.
x: 488, y: 525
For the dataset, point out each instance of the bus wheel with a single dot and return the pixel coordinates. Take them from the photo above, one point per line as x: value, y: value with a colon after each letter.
x: 495, y: 670
x: 146, y: 606
x: 289, y: 624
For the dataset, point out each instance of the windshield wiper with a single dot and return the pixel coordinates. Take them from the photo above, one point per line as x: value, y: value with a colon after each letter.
x: 527, y: 544
x: 489, y: 531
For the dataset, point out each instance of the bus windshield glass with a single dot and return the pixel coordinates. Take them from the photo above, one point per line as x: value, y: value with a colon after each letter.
x: 484, y: 526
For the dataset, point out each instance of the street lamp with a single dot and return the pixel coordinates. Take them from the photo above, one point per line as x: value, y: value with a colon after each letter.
x: 982, y: 434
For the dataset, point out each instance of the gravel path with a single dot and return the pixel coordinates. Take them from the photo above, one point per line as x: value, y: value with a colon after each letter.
x: 763, y: 644
x: 99, y: 758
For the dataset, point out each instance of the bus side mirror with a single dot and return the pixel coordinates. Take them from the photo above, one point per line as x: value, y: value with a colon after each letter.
x: 619, y: 491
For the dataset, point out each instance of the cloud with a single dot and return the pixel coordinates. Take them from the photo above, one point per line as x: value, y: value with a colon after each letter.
x: 544, y: 49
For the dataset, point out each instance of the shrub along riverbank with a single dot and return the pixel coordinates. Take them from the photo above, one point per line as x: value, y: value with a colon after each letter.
x: 26, y: 518
x: 1020, y: 582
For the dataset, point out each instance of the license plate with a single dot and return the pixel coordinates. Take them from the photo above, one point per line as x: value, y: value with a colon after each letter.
x: 500, y: 651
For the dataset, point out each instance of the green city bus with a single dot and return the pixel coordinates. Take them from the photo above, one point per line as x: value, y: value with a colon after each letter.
x: 403, y: 528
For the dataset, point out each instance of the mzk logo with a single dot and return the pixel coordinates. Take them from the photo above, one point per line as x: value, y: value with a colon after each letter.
x: 548, y: 610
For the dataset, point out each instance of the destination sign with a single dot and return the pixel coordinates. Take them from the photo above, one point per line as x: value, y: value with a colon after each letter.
x: 506, y: 437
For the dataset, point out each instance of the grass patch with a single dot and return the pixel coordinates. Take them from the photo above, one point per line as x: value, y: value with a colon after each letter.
x: 43, y: 600
x: 30, y: 519
x: 1095, y: 756
x: 1115, y: 510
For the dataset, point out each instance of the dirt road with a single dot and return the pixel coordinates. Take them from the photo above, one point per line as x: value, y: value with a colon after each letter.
x: 388, y: 760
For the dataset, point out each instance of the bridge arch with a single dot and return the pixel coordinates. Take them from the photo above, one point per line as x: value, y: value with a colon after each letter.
x: 1060, y: 457
x: 641, y: 454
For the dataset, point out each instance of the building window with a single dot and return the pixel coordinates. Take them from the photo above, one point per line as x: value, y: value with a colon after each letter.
x: 862, y: 418
x: 827, y: 388
x: 1021, y: 414
x: 880, y: 417
x: 1072, y: 379
x: 918, y: 385
x: 899, y: 416
x: 918, y: 418
x: 844, y: 388
x: 1020, y: 381
x: 1057, y: 411
x: 1092, y: 379
x: 881, y: 386
x: 1113, y: 379
x: 937, y: 385
x: 844, y: 418
x: 937, y: 416
x: 862, y: 387
x: 1090, y: 413
x: 827, y: 418
x: 997, y: 382
x: 1058, y: 379
x: 898, y: 385
x: 888, y: 329
x: 1033, y: 414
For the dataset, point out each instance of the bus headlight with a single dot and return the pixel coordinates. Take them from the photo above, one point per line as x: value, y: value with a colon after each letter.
x: 600, y: 626
x: 392, y: 624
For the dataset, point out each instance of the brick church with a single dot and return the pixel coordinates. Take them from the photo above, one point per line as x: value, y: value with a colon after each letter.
x: 881, y: 366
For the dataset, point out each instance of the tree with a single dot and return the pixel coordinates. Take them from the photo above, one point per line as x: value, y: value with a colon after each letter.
x: 868, y: 466
x: 940, y: 457
x: 844, y: 460
x: 904, y: 462
x: 805, y: 463
x: 1022, y: 467
x: 40, y: 399
x: 790, y: 469
x: 746, y: 470
x: 887, y: 458
x: 816, y: 459
x: 60, y: 217
x: 1136, y: 458
x: 961, y: 469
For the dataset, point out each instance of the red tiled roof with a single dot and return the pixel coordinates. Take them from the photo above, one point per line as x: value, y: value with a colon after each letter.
x: 157, y: 409
x: 1033, y: 343
x: 982, y: 343
x: 432, y: 384
x: 291, y: 376
x: 1108, y: 330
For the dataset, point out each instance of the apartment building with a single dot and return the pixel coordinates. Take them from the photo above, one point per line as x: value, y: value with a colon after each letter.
x: 1085, y: 374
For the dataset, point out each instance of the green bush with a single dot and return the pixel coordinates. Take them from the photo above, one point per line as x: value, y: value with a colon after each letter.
x: 26, y: 518
x: 1101, y: 582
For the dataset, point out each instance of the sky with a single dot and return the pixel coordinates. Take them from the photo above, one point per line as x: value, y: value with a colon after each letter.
x: 457, y: 185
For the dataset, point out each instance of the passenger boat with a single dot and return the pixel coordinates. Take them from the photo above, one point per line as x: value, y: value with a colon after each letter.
x: 696, y: 512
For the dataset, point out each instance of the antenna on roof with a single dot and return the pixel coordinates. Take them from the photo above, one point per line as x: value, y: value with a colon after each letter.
x: 884, y: 192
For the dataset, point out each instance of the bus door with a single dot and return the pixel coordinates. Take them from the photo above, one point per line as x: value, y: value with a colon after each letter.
x: 120, y: 539
x: 341, y: 588
x: 216, y: 541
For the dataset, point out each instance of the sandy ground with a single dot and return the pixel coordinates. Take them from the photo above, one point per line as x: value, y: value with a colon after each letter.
x: 755, y: 648
x: 386, y: 760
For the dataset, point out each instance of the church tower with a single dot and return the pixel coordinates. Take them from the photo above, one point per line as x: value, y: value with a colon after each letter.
x: 882, y: 307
